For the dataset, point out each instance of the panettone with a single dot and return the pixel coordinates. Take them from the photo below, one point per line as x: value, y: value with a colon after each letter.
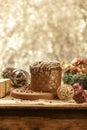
x: 45, y: 76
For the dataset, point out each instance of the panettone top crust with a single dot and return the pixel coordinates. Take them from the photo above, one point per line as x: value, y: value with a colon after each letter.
x: 45, y: 66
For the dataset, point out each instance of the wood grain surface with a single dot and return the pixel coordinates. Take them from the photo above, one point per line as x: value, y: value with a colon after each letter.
x: 41, y: 123
x: 42, y: 115
x: 10, y: 102
x: 43, y: 119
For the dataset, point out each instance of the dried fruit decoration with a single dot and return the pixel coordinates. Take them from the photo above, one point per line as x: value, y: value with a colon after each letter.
x: 79, y: 94
x: 76, y: 73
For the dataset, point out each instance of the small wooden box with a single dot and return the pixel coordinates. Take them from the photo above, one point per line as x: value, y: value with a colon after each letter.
x: 4, y: 87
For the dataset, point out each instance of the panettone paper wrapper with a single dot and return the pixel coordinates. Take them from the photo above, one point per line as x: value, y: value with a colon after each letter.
x: 46, y: 81
x: 4, y: 87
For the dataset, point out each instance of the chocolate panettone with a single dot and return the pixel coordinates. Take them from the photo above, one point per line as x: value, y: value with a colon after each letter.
x: 45, y: 76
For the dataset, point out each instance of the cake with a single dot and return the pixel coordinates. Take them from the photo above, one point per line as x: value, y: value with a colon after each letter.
x: 45, y: 76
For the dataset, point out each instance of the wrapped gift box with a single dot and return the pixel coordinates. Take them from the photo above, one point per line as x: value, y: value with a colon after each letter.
x: 4, y: 87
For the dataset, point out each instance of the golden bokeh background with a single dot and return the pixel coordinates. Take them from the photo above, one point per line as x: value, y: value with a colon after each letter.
x: 32, y: 30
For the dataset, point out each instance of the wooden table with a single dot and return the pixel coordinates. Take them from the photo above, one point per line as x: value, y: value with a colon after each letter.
x: 42, y: 115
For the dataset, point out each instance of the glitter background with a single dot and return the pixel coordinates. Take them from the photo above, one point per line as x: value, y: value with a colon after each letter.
x: 32, y: 30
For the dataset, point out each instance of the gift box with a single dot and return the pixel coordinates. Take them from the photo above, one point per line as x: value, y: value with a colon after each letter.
x: 4, y: 87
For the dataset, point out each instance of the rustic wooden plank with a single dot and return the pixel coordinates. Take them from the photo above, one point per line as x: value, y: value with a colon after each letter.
x: 41, y: 123
x: 11, y: 103
x: 51, y: 113
x: 41, y: 106
x: 41, y: 116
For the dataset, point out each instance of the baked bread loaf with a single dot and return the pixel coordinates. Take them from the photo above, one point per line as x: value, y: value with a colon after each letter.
x: 45, y: 76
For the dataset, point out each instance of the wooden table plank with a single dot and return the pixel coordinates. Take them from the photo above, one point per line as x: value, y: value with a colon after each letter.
x: 18, y: 114
x: 9, y: 102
